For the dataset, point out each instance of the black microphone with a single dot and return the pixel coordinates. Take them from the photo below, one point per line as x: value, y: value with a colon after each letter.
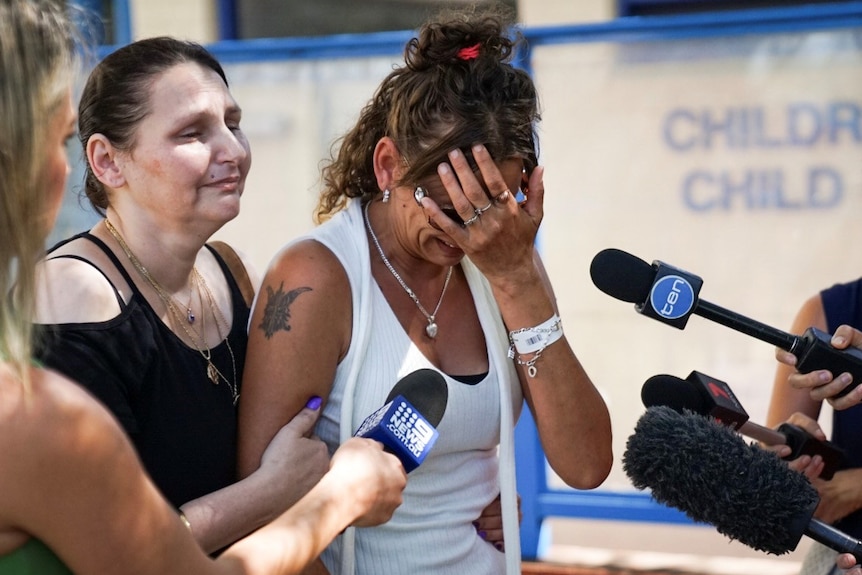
x: 406, y: 424
x: 712, y: 397
x: 706, y: 470
x: 670, y: 295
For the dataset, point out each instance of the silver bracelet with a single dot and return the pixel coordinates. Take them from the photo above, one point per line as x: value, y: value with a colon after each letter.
x: 534, y: 340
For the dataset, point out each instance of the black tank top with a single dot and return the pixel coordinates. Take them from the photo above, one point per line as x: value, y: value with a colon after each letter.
x: 182, y: 425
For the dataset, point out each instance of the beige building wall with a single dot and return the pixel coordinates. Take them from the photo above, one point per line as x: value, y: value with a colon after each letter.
x: 556, y: 12
x: 197, y: 19
x: 187, y: 19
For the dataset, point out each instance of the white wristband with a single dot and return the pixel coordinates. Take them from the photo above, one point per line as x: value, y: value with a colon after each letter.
x: 532, y: 339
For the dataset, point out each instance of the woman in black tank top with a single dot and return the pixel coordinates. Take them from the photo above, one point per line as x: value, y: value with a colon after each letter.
x: 150, y: 319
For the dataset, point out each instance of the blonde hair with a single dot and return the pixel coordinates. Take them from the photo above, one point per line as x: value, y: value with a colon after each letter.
x: 36, y: 57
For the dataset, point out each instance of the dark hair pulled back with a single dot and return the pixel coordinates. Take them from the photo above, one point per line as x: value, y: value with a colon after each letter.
x: 457, y: 88
x: 116, y: 97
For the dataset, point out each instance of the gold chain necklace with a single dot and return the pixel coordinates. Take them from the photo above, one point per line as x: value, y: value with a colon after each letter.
x: 218, y: 315
x: 431, y: 328
x: 198, y: 340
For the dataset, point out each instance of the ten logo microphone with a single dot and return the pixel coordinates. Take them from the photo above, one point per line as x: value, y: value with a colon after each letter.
x: 671, y: 295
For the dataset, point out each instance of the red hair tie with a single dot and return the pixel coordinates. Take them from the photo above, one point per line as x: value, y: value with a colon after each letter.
x: 469, y: 53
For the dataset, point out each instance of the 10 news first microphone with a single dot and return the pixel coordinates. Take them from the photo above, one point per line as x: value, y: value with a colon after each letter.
x: 685, y: 448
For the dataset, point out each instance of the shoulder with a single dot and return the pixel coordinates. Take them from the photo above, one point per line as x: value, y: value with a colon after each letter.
x: 306, y: 283
x: 70, y: 475
x: 69, y: 290
x: 53, y: 432
x: 310, y: 259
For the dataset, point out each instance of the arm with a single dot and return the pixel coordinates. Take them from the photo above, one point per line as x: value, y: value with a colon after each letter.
x: 290, y: 464
x: 71, y: 478
x: 296, y: 460
x: 298, y: 333
x: 841, y: 495
x: 362, y: 488
x: 790, y: 404
x: 786, y: 399
x: 571, y: 416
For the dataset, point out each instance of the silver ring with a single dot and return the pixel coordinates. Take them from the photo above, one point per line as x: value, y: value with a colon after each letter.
x: 478, y: 211
x: 472, y: 220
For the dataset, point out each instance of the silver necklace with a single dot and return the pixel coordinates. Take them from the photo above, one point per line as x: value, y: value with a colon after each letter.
x: 431, y: 328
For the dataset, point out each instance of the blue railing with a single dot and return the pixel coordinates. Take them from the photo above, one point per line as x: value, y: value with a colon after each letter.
x: 539, y: 500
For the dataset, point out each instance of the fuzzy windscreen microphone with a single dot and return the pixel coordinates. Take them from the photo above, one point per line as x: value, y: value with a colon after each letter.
x: 706, y: 470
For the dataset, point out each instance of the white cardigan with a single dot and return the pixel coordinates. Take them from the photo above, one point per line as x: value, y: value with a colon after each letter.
x: 344, y: 235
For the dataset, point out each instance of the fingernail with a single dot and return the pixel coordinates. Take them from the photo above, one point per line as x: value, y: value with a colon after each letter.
x: 498, y: 546
x: 837, y: 340
x: 455, y: 153
x: 824, y: 376
x: 482, y: 534
x: 314, y: 403
x: 443, y: 169
x: 476, y: 525
x: 478, y: 148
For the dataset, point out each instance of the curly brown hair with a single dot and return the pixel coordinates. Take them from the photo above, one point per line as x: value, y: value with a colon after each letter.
x: 440, y: 100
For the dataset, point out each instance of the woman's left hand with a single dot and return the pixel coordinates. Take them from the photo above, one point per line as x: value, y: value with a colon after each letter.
x: 489, y: 525
x: 499, y: 232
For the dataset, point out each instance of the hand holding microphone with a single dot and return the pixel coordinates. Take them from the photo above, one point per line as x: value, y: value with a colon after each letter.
x: 823, y: 384
x: 670, y: 295
x: 406, y: 424
x: 711, y: 397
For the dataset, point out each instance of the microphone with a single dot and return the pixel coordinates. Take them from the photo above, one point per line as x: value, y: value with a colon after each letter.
x: 712, y: 397
x: 405, y: 425
x: 706, y: 470
x: 670, y: 295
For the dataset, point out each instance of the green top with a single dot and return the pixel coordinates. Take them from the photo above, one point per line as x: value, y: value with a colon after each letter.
x: 33, y: 558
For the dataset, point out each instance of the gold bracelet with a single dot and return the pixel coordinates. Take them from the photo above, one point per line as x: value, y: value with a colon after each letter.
x: 185, y: 521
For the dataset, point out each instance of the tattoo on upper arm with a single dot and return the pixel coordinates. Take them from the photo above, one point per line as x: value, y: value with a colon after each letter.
x: 276, y: 314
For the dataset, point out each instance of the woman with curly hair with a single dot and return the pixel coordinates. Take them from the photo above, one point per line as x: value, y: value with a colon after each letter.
x: 426, y: 259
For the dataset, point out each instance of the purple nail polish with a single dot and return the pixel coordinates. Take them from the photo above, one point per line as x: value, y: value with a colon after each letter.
x: 314, y: 403
x: 483, y: 535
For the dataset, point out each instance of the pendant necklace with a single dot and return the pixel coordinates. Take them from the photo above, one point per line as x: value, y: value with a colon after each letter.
x: 431, y: 328
x: 198, y: 340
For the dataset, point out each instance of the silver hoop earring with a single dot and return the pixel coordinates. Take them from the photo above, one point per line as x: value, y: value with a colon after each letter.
x: 386, y: 194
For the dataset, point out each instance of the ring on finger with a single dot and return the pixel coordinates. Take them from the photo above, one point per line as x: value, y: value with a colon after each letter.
x: 478, y: 211
x: 502, y: 197
x: 472, y: 220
